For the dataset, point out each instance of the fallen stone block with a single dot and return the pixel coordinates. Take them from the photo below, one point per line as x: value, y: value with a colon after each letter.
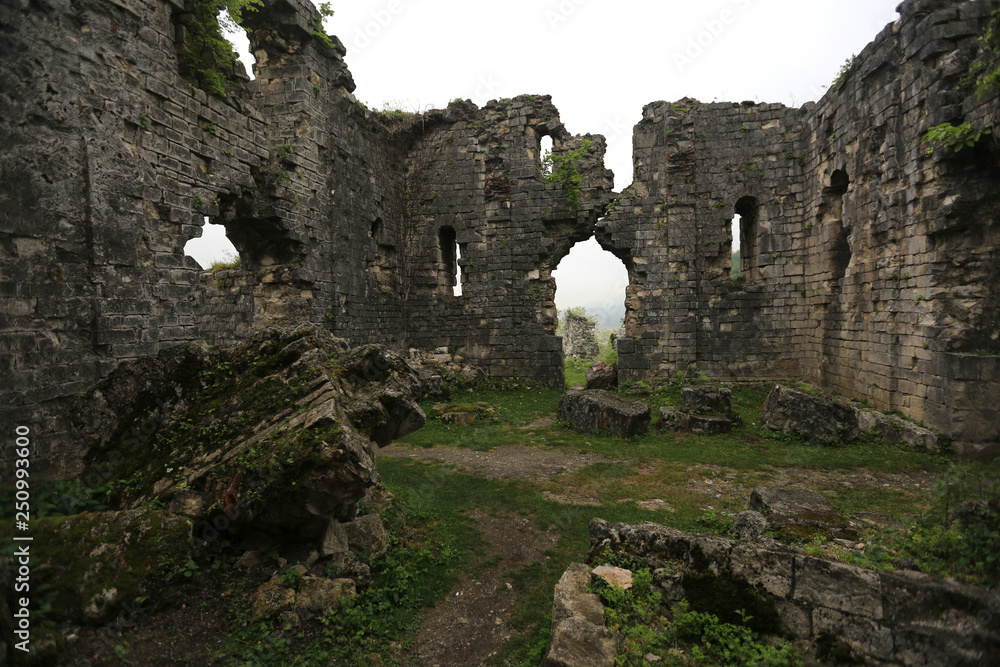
x: 601, y: 376
x: 709, y: 424
x: 463, y: 414
x: 673, y: 419
x: 579, y: 638
x: 820, y: 420
x: 707, y: 400
x: 595, y: 410
x: 800, y: 513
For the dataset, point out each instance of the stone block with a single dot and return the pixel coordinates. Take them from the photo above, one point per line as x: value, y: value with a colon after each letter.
x: 817, y: 419
x: 595, y: 410
x: 707, y: 400
x: 672, y: 419
x: 710, y: 424
x: 367, y: 533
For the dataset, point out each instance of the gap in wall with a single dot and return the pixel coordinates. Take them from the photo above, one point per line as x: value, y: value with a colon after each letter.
x: 213, y: 246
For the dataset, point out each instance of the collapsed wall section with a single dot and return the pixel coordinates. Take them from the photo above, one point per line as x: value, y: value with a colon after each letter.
x: 110, y: 162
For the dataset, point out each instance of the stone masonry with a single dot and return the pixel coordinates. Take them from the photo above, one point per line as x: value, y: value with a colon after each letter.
x: 579, y: 340
x: 870, y: 264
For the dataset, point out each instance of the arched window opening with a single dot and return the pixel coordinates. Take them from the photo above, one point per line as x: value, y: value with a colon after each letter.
x: 744, y: 231
x: 591, y: 286
x: 450, y: 274
x: 544, y: 150
x: 736, y: 272
x: 213, y: 249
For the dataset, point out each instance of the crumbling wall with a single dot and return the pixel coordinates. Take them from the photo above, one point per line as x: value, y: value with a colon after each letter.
x: 110, y: 161
x: 869, y: 262
x: 476, y: 181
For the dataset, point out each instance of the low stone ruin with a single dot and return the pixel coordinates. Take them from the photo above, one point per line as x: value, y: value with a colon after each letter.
x: 601, y: 375
x: 824, y: 419
x: 848, y: 614
x: 704, y: 409
x: 271, y: 441
x: 579, y: 638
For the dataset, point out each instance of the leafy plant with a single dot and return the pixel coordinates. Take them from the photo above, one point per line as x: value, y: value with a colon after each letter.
x: 206, y: 53
x: 984, y: 73
x: 845, y: 70
x: 688, y: 638
x: 316, y: 23
x: 562, y: 169
x: 955, y: 137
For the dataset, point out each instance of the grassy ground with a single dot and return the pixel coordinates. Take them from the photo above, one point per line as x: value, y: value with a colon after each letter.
x: 670, y: 467
x: 690, y: 482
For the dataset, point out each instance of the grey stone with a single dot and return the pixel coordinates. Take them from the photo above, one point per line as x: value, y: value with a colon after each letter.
x: 579, y: 638
x: 749, y: 525
x: 594, y: 410
x: 709, y: 424
x: 319, y: 593
x: 367, y: 533
x: 334, y: 539
x: 673, y: 419
x: 800, y: 513
x: 818, y: 419
x: 707, y: 399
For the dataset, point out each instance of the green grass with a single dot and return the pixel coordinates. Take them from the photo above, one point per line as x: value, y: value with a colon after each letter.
x: 655, y: 465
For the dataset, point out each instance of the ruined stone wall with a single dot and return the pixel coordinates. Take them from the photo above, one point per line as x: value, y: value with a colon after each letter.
x: 693, y: 164
x: 869, y: 264
x: 476, y: 181
x: 109, y: 163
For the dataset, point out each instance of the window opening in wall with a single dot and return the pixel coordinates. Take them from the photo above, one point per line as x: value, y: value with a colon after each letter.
x: 590, y: 282
x: 237, y: 36
x: 544, y: 149
x: 213, y: 249
x: 745, y: 221
x: 734, y: 233
x: 450, y: 279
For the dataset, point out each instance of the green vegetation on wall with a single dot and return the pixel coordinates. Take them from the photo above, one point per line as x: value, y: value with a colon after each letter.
x: 207, y: 54
x: 562, y: 169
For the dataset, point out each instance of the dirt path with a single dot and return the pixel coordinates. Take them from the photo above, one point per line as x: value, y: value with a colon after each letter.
x: 469, y: 627
x: 518, y: 461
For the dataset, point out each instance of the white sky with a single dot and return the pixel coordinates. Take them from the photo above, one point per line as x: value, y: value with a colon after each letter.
x: 602, y: 61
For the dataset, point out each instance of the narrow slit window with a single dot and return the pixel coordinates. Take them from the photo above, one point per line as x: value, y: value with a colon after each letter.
x: 450, y: 274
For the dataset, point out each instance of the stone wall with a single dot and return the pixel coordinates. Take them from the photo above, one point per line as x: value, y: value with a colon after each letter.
x: 579, y: 340
x: 870, y: 264
x: 476, y: 181
x: 110, y: 161
x: 859, y: 616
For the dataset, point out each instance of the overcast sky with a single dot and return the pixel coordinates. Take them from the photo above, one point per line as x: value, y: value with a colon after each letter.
x: 601, y: 61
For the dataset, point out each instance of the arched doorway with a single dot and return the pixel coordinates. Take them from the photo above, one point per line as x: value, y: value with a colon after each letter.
x: 590, y: 298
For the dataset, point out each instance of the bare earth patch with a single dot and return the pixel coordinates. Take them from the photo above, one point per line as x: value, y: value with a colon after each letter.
x: 517, y: 461
x: 469, y: 626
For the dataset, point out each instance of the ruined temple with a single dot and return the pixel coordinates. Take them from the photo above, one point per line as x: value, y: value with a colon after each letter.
x: 869, y: 263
